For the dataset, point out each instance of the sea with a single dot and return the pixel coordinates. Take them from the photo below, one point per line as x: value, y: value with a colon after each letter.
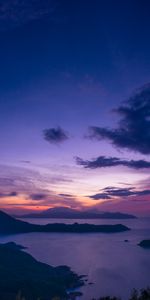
x: 113, y: 266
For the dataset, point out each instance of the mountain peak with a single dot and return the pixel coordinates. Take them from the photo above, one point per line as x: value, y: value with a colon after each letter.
x: 63, y: 212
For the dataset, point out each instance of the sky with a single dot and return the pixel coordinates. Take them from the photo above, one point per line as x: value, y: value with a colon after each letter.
x: 75, y: 105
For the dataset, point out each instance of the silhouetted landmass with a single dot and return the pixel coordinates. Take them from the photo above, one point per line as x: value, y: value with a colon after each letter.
x: 143, y: 294
x: 69, y: 213
x: 13, y: 246
x: 10, y: 225
x: 19, y: 271
x: 145, y: 244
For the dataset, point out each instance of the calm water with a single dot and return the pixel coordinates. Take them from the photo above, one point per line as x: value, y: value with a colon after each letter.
x: 115, y: 267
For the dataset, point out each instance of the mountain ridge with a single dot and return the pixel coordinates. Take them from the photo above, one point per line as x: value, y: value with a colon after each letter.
x: 70, y: 213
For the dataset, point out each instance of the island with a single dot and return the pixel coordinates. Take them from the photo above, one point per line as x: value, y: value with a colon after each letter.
x: 23, y: 277
x: 145, y: 244
x: 70, y: 213
x: 10, y: 225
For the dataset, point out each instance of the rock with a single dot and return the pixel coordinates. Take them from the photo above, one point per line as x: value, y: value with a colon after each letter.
x: 145, y: 244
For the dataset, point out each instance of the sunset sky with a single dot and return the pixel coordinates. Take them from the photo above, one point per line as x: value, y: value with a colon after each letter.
x: 75, y: 105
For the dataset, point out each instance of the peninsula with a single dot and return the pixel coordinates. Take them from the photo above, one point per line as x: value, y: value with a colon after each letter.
x: 10, y: 225
x: 23, y: 277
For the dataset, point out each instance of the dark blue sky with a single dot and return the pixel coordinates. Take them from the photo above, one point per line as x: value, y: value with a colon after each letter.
x: 68, y: 64
x: 105, y: 39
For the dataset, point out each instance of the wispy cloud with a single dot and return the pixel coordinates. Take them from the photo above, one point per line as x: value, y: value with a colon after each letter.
x: 104, y: 162
x: 17, y: 12
x: 27, y: 189
x: 27, y: 181
x: 66, y: 195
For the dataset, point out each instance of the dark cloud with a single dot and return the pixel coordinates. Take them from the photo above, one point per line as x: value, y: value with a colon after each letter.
x: 17, y: 12
x: 113, y: 192
x: 39, y: 197
x: 99, y: 196
x: 143, y: 193
x: 66, y: 195
x: 104, y: 162
x: 119, y: 192
x: 133, y: 131
x: 55, y: 135
x: 25, y: 161
x: 11, y: 194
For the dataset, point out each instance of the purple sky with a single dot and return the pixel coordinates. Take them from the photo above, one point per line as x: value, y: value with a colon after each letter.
x: 67, y: 66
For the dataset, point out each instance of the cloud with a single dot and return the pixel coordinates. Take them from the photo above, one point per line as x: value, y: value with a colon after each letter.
x: 52, y: 198
x: 119, y: 192
x: 25, y: 161
x: 104, y: 162
x: 102, y: 196
x: 55, y: 135
x: 28, y: 182
x: 32, y: 188
x: 17, y: 12
x: 113, y: 192
x: 7, y: 182
x: 39, y: 197
x: 11, y: 194
x: 66, y: 195
x: 19, y: 179
x: 133, y: 131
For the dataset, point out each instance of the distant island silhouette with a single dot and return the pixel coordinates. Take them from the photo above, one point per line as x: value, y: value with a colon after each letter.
x: 145, y: 244
x: 10, y: 225
x: 69, y: 213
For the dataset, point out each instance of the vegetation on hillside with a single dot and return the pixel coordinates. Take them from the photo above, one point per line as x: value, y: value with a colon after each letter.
x: 143, y: 294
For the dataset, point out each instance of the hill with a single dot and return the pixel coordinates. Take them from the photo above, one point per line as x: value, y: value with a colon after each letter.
x: 69, y: 213
x: 19, y: 271
x: 10, y: 225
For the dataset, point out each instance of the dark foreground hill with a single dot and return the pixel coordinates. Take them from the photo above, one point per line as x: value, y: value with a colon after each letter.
x: 143, y: 294
x: 69, y: 213
x: 19, y: 271
x: 10, y: 225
